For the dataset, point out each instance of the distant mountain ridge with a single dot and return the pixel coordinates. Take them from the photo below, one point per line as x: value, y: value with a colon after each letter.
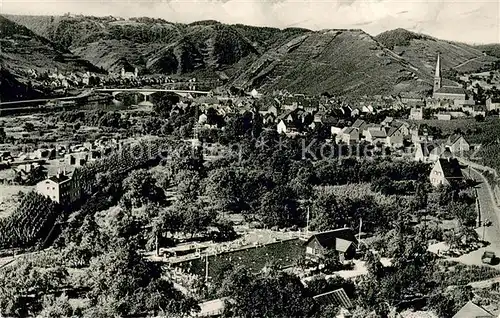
x: 336, y: 61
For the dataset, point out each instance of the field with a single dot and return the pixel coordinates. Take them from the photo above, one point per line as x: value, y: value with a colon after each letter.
x: 9, y: 198
x: 283, y: 253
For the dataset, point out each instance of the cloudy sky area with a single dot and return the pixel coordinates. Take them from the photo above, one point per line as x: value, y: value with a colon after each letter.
x: 462, y: 20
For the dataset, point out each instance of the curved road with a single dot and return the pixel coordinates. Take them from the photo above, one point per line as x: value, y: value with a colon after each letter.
x: 489, y: 210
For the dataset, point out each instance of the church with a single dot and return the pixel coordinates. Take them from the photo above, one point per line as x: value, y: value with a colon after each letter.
x: 441, y: 92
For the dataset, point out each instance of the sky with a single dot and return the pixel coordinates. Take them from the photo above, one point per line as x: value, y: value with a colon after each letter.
x: 464, y: 20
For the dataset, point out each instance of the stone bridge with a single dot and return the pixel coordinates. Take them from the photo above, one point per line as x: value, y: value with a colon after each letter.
x: 146, y: 92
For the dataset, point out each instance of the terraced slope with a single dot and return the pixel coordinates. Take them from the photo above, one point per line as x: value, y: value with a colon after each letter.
x: 334, y: 61
x: 421, y: 51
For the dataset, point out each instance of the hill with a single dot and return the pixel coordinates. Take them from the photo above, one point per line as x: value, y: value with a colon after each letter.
x: 334, y: 61
x: 152, y: 45
x: 11, y: 89
x: 490, y: 49
x: 421, y: 51
x: 299, y: 60
x: 22, y: 49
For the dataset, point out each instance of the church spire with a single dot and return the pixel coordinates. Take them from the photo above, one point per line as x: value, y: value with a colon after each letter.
x: 437, y: 75
x: 438, y: 67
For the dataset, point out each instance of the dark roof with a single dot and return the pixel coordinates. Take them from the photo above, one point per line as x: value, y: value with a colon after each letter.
x: 59, y: 178
x: 358, y: 123
x: 451, y: 90
x: 337, y: 297
x: 391, y: 131
x: 454, y: 138
x: 377, y: 133
x: 339, y: 239
x: 329, y: 119
x: 286, y: 114
x: 349, y: 130
x: 451, y: 168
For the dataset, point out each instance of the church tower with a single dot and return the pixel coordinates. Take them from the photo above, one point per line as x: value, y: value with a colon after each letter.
x: 437, y: 75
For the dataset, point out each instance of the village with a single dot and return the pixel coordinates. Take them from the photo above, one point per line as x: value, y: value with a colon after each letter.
x: 384, y: 182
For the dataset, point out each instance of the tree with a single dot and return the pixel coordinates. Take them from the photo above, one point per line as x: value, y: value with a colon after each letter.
x: 122, y: 283
x: 3, y: 135
x: 225, y: 232
x: 224, y: 187
x: 141, y: 187
x: 279, y: 207
x: 188, y: 183
x: 331, y: 261
x: 29, y: 127
x: 163, y: 107
x: 22, y: 287
x: 275, y: 294
x: 56, y: 307
x: 195, y: 216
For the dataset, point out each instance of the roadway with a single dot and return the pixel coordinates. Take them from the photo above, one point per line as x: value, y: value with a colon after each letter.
x: 45, y: 100
x: 489, y: 210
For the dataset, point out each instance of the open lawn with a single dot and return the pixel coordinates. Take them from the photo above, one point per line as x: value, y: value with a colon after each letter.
x: 9, y: 198
x: 283, y: 253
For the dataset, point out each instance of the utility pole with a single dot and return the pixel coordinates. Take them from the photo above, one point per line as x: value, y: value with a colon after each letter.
x: 484, y: 229
x: 157, y: 248
x: 307, y: 226
x: 206, y: 268
x: 359, y: 234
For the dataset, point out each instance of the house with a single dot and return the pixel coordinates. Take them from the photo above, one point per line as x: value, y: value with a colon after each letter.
x: 359, y: 124
x: 492, y: 103
x: 288, y: 116
x: 457, y: 144
x: 471, y: 310
x: 443, y: 116
x: 367, y: 109
x: 212, y: 308
x: 356, y: 111
x: 255, y: 94
x: 446, y: 172
x: 269, y: 110
x: 421, y: 152
x: 335, y: 131
x: 337, y: 298
x: 375, y: 135
x: 286, y: 127
x: 401, y: 126
x: 58, y: 188
x: 45, y: 153
x: 348, y: 135
x: 268, y: 118
x: 419, y: 134
x: 129, y: 75
x: 438, y: 151
x: 395, y: 137
x: 416, y: 114
x: 25, y: 172
x: 387, y: 121
x: 343, y: 241
x: 428, y: 152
